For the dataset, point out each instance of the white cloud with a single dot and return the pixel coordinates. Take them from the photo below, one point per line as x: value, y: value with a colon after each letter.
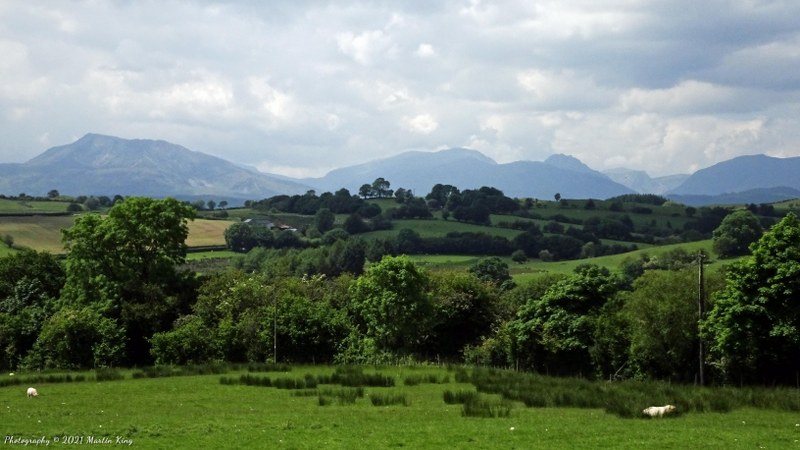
x: 306, y: 86
x: 421, y: 123
x: 425, y: 51
x: 365, y: 47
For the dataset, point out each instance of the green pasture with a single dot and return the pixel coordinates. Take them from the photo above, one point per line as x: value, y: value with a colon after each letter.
x: 198, y: 411
x: 439, y: 228
x: 43, y: 233
x: 14, y: 206
x: 536, y: 267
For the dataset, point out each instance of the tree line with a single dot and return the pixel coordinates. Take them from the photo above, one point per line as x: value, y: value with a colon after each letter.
x: 120, y: 297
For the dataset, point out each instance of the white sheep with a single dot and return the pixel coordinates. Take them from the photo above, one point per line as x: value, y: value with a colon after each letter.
x: 658, y: 411
x: 32, y: 392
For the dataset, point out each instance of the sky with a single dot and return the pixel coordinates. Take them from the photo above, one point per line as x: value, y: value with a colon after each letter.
x: 299, y: 88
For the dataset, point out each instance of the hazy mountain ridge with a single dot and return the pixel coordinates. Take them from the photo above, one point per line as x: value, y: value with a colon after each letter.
x: 742, y: 173
x: 106, y: 165
x: 641, y: 182
x: 469, y: 169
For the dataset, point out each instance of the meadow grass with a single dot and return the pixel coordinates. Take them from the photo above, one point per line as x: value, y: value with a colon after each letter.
x: 204, y: 232
x: 15, y: 206
x: 198, y: 411
x: 43, y: 233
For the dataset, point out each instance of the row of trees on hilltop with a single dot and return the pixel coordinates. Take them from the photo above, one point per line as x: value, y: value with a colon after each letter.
x: 120, y: 298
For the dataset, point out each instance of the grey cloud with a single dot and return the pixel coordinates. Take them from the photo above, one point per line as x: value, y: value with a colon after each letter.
x: 312, y: 85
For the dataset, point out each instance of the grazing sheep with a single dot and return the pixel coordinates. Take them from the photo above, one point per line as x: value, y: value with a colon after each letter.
x: 658, y: 411
x: 32, y: 392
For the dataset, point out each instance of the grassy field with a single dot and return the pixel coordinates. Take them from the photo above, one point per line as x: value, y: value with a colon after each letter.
x: 43, y: 233
x: 536, y: 267
x: 433, y: 228
x: 9, y: 206
x: 36, y: 232
x: 200, y: 412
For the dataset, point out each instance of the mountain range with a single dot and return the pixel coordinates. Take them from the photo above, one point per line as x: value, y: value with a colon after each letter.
x: 105, y: 165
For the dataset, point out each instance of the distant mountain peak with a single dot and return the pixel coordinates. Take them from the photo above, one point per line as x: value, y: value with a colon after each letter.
x: 107, y: 165
x: 568, y: 162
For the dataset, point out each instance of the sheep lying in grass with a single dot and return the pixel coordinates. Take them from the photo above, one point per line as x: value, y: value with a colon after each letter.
x: 658, y: 411
x: 32, y: 392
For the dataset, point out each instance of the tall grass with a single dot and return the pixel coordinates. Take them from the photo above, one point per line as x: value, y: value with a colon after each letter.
x: 628, y: 398
x: 387, y: 399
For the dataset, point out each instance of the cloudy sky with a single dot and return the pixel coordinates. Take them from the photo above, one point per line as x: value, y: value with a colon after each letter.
x: 301, y: 87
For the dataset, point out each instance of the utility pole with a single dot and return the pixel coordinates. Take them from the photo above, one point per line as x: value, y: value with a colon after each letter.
x: 700, y: 312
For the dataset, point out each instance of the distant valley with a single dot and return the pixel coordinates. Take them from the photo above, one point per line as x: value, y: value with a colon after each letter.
x: 106, y: 165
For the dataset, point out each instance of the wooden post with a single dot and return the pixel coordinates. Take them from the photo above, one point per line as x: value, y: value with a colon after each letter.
x: 700, y: 313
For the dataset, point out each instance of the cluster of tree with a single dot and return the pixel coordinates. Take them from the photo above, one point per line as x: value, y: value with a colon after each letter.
x: 340, y: 202
x: 119, y: 298
x: 380, y: 188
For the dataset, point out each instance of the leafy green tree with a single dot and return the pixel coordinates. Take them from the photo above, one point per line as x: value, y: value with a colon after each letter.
x: 8, y: 240
x: 519, y: 256
x: 77, y: 339
x: 753, y: 329
x: 380, y: 188
x: 735, y: 234
x: 392, y: 305
x: 125, y: 265
x: 223, y: 204
x: 465, y: 310
x: 189, y: 342
x: 324, y: 220
x: 29, y: 287
x: 408, y: 241
x: 53, y: 193
x: 354, y: 224
x: 555, y: 333
x: 662, y: 315
x: 365, y: 191
x: 442, y: 193
x: 211, y: 204
x: 493, y: 270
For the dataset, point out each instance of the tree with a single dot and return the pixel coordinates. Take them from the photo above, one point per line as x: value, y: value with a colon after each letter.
x: 492, y: 270
x: 77, y: 339
x: 365, y: 191
x: 30, y: 283
x: 392, y: 305
x: 557, y: 196
x: 324, y: 220
x: 354, y: 224
x: 556, y: 331
x: 223, y: 204
x: 753, y: 329
x: 125, y: 265
x: 53, y: 193
x: 662, y: 316
x: 465, y: 309
x: 735, y: 234
x: 380, y: 188
x: 239, y: 237
x: 91, y: 203
x: 211, y: 204
x: 8, y: 240
x: 519, y: 256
